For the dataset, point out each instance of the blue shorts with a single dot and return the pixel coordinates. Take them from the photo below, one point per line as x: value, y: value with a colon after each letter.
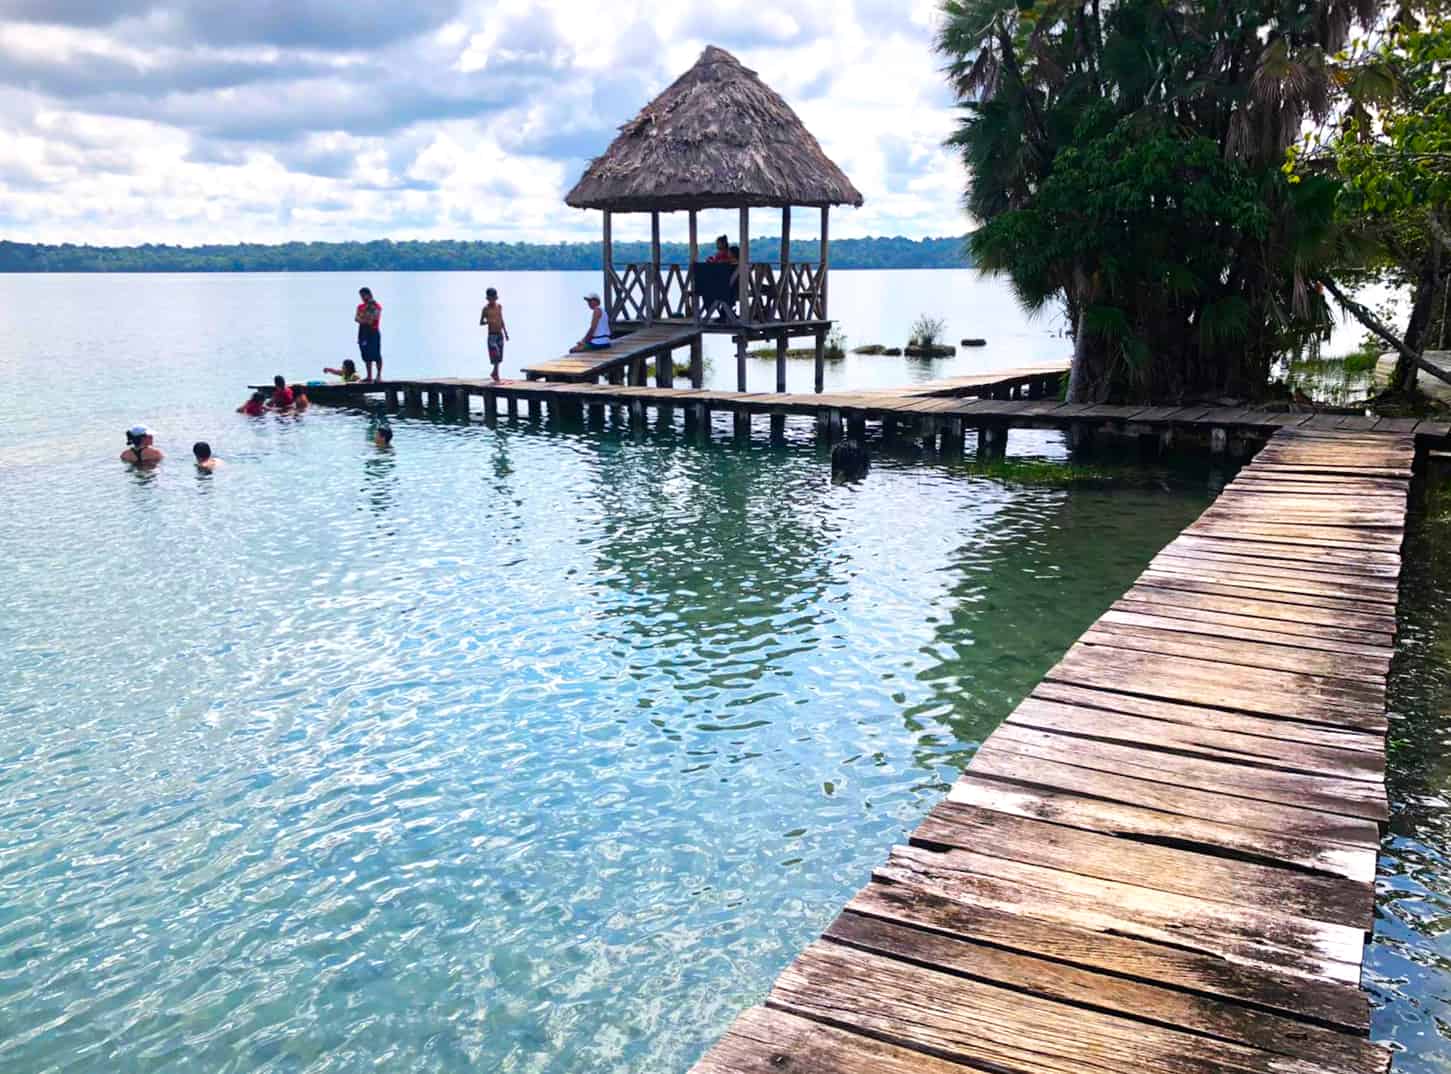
x: 370, y: 346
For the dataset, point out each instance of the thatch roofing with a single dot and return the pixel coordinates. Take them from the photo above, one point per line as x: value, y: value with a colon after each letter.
x: 717, y: 138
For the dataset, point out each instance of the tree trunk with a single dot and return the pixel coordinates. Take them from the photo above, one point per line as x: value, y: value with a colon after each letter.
x: 1086, y: 376
x: 1427, y: 286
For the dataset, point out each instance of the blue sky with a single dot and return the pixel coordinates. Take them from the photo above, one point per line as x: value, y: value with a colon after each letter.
x: 132, y: 120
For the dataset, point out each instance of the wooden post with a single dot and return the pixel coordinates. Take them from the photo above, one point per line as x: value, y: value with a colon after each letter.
x: 652, y: 291
x: 742, y: 421
x: 413, y: 398
x: 783, y: 295
x: 511, y: 402
x: 833, y: 425
x: 392, y: 398
x: 533, y: 409
x: 778, y: 428
x: 491, y: 407
x: 783, y: 341
x: 741, y: 362
x: 463, y: 403
x: 665, y: 369
x: 1218, y: 440
x: 889, y: 428
x: 638, y: 378
x: 697, y: 363
x: 952, y: 437
x: 992, y: 441
x: 820, y: 360
x: 690, y: 269
x: 743, y: 271
x: 825, y: 265
x: 608, y: 251
x: 856, y: 427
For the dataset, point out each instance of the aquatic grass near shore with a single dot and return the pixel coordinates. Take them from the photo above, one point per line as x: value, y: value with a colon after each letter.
x: 1045, y: 474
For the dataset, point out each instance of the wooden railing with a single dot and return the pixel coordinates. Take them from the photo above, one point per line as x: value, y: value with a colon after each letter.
x: 635, y: 292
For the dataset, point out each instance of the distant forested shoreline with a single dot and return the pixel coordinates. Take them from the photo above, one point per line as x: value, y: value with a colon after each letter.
x: 451, y: 255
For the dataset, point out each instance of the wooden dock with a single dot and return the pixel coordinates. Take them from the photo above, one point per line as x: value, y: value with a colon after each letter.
x: 939, y: 413
x: 627, y: 357
x: 1163, y: 860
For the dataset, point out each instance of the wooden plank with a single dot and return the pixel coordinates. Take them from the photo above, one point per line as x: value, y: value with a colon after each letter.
x: 1246, y: 628
x: 1328, y: 794
x: 1201, y: 740
x: 1337, y: 581
x: 1132, y: 999
x: 1350, y: 832
x: 1237, y: 934
x: 1256, y: 691
x: 1168, y: 869
x: 1386, y: 562
x: 1337, y: 738
x: 1306, y: 536
x: 1326, y: 594
x: 1125, y: 956
x: 1319, y: 611
x: 1002, y: 1029
x: 1170, y: 829
x: 1236, y: 652
x: 1364, y: 572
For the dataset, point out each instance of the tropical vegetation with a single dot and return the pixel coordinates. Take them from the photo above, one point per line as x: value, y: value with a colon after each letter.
x: 1127, y: 160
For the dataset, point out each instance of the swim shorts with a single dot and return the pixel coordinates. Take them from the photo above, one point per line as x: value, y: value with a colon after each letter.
x: 496, y: 347
x: 370, y: 346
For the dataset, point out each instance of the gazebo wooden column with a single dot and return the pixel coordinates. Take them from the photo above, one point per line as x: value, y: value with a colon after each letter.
x: 743, y: 282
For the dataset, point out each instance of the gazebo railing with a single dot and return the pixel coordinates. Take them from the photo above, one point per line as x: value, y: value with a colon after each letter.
x: 635, y: 292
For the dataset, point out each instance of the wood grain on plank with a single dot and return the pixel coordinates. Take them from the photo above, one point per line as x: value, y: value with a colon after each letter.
x: 1171, y: 869
x: 1224, y: 650
x: 1244, y: 628
x: 1132, y: 999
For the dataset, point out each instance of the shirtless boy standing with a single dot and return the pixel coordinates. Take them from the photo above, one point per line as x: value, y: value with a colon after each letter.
x: 493, y: 316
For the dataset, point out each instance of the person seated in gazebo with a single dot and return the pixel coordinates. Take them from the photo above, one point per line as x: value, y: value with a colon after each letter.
x: 722, y: 253
x: 597, y: 336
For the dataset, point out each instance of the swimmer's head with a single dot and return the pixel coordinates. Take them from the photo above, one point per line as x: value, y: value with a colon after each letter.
x: 202, y: 450
x: 279, y: 381
x: 259, y: 397
x: 384, y: 436
x: 139, y: 436
x: 349, y: 366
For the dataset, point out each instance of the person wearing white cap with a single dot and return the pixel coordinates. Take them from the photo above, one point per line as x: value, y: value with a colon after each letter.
x: 597, y: 338
x: 139, y: 447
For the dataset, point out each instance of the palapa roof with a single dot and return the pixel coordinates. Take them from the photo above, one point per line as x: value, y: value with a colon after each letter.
x: 717, y: 138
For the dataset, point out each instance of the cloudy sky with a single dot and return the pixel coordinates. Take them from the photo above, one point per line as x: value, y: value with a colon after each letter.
x: 190, y: 121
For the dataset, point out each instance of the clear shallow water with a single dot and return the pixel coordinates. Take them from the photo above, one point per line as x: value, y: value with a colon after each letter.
x: 517, y: 749
x: 1408, y: 965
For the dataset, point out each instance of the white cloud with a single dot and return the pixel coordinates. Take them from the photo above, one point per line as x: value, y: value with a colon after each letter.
x: 138, y: 122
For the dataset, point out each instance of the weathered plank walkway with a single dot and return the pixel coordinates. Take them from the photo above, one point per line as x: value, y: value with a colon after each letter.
x: 1163, y: 860
x: 627, y: 353
x: 989, y: 403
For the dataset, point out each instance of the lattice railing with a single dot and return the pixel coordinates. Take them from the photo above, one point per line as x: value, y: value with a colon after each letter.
x: 799, y: 295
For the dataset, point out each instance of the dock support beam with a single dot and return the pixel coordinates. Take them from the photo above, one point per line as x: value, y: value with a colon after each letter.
x: 391, y: 399
x: 665, y: 369
x: 741, y: 360
x: 820, y: 360
x: 534, y: 411
x: 697, y: 362
x: 512, y: 404
x: 413, y: 398
x: 1218, y: 440
x: 638, y: 377
x: 856, y: 427
x: 742, y: 421
x: 833, y: 425
x: 952, y: 437
x: 992, y: 441
x: 783, y: 341
x: 491, y: 407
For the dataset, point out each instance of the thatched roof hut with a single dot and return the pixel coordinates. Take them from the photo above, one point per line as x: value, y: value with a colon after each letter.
x: 717, y: 138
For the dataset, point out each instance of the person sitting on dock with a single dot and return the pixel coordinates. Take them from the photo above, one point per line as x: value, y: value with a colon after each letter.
x: 493, y: 316
x: 722, y: 255
x: 597, y: 338
x: 349, y: 371
x: 205, y: 460
x: 369, y: 316
x: 281, y: 393
x: 254, y: 407
x: 140, y: 447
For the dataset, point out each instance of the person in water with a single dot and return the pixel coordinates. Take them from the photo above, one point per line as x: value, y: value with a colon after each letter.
x: 205, y: 460
x: 597, y: 336
x: 254, y: 407
x: 349, y: 371
x: 369, y: 316
x: 493, y: 316
x: 281, y: 393
x: 141, y: 449
x: 383, y: 436
x: 300, y: 401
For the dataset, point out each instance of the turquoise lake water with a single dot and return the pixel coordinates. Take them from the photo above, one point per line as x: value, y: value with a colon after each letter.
x: 517, y: 749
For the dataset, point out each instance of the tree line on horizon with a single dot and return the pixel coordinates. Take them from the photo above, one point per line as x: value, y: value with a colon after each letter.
x: 384, y: 255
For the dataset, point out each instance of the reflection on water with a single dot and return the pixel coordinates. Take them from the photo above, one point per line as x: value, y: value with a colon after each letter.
x: 516, y: 749
x: 1408, y: 967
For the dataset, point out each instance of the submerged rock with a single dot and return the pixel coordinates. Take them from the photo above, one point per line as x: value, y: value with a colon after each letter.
x: 974, y: 343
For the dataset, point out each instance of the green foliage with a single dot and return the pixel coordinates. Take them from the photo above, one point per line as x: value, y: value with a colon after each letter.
x: 926, y: 331
x: 1124, y: 159
x: 387, y: 256
x: 835, y: 344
